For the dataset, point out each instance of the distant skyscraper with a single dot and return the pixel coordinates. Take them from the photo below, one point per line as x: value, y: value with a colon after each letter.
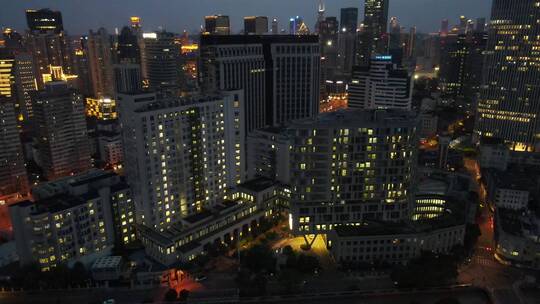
x: 128, y: 46
x: 381, y: 85
x: 320, y: 17
x: 444, y: 27
x: 47, y: 42
x: 275, y: 26
x: 13, y: 177
x: 44, y: 20
x: 25, y: 82
x: 395, y: 34
x: 480, y: 25
x: 135, y: 23
x: 217, y: 25
x: 374, y: 30
x: 161, y: 60
x: 294, y: 24
x: 349, y: 20
x: 462, y: 27
x: 60, y: 134
x: 509, y: 104
x: 279, y: 74
x: 256, y: 25
x: 100, y: 62
x: 411, y: 45
x: 328, y: 35
x: 181, y: 155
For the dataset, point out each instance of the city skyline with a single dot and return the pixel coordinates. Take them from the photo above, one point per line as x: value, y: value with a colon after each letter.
x: 154, y: 16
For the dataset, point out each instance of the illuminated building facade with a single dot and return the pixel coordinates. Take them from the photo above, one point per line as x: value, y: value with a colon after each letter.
x: 47, y: 42
x: 60, y: 137
x: 101, y: 108
x: 48, y: 231
x: 25, y: 82
x: 257, y: 25
x: 373, y: 37
x: 381, y: 85
x: 6, y: 76
x: 509, y: 102
x: 278, y: 73
x: 217, y: 25
x: 13, y: 177
x: 181, y: 155
x: 351, y: 166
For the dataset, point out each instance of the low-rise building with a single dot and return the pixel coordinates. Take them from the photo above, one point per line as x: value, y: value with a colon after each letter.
x: 517, y: 237
x: 76, y: 218
x: 108, y: 268
x: 512, y: 188
x: 225, y: 222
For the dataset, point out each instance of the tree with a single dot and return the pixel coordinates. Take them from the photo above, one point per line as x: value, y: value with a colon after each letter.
x: 307, y: 263
x: 290, y: 280
x: 183, y: 295
x: 171, y: 295
x: 449, y: 300
x: 259, y: 258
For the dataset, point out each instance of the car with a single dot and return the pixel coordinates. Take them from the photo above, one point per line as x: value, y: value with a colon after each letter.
x: 200, y: 278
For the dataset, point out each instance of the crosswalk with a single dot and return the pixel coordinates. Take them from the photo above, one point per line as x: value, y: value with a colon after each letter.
x: 486, y: 261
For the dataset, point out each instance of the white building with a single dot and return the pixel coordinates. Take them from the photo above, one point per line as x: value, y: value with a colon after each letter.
x: 381, y: 85
x: 77, y: 218
x: 181, y: 155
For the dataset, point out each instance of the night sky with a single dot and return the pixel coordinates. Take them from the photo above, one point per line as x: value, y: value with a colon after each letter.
x: 177, y: 15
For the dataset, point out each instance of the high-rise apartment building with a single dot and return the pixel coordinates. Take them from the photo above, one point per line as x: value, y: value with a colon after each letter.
x: 161, y: 59
x: 60, y: 134
x: 13, y: 177
x: 278, y: 73
x: 350, y: 166
x: 257, y: 25
x: 381, y: 85
x: 509, y: 104
x: 25, y: 82
x: 100, y: 61
x: 217, y: 25
x: 77, y: 218
x: 181, y: 155
x: 373, y: 37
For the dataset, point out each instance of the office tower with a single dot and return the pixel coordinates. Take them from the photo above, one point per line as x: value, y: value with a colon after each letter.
x: 217, y: 25
x: 80, y: 64
x: 351, y: 166
x: 374, y: 30
x: 294, y: 24
x: 444, y: 27
x: 461, y: 64
x: 13, y: 41
x: 462, y: 27
x: 395, y: 35
x: 13, y: 177
x: 7, y: 79
x: 278, y: 73
x: 349, y: 20
x: 44, y: 20
x: 100, y: 61
x: 25, y: 82
x: 60, y: 134
x: 161, y: 60
x: 275, y: 26
x: 320, y: 17
x: 181, y: 154
x: 47, y: 42
x: 509, y: 103
x: 480, y: 25
x: 127, y: 78
x: 101, y: 108
x: 381, y: 85
x: 127, y: 49
x: 135, y: 23
x: 80, y: 219
x: 329, y: 41
x: 257, y: 25
x: 411, y: 44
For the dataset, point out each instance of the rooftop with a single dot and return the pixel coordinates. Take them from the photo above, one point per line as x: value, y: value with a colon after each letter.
x: 258, y: 184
